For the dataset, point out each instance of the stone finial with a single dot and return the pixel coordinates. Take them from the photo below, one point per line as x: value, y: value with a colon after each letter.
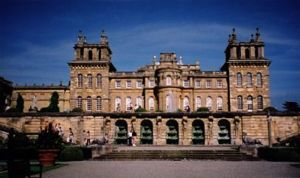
x: 232, y: 37
x: 81, y: 38
x: 103, y: 38
x: 252, y: 39
x: 257, y: 35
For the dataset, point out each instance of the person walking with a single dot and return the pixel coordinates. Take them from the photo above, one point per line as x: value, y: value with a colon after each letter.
x: 130, y: 138
x: 88, y: 138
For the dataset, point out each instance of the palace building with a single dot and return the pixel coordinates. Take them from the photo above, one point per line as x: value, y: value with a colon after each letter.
x: 174, y: 95
x: 165, y: 85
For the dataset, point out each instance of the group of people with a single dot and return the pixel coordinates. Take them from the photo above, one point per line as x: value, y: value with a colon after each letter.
x: 132, y: 138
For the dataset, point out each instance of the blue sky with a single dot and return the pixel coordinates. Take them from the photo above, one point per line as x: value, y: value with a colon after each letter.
x: 37, y: 36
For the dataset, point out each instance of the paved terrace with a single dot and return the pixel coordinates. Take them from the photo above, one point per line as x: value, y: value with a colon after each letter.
x: 176, y: 169
x: 177, y: 147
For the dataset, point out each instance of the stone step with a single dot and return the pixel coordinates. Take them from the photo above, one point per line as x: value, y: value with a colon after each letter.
x: 174, y: 155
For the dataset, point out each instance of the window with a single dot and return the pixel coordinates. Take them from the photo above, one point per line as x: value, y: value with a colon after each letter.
x: 249, y: 79
x: 186, y: 83
x: 168, y: 103
x: 118, y: 84
x: 129, y: 106
x: 239, y: 80
x: 89, y: 103
x: 90, y: 80
x: 209, y: 102
x: 90, y: 55
x: 139, y: 101
x: 79, y: 102
x: 99, y: 81
x: 151, y: 83
x: 186, y: 103
x: 118, y: 104
x: 197, y: 84
x: 247, y: 53
x: 79, y: 80
x: 219, y: 84
x: 219, y: 103
x: 151, y: 103
x: 99, y: 103
x: 198, y: 102
x: 240, y: 102
x: 168, y: 81
x: 128, y: 84
x: 259, y: 80
x: 250, y: 103
x: 208, y: 83
x: 139, y: 84
x: 260, y: 104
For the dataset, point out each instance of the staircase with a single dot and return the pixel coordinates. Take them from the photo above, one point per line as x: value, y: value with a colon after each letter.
x: 175, y: 153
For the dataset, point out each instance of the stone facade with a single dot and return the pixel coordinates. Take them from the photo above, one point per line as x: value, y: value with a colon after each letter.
x: 254, y: 125
x: 165, y: 85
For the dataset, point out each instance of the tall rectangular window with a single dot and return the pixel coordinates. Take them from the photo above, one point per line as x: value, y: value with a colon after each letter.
x: 259, y: 80
x: 99, y: 104
x: 260, y: 104
x: 249, y: 80
x: 128, y: 84
x: 186, y: 83
x: 219, y: 84
x: 197, y: 84
x: 79, y: 102
x: 240, y: 102
x: 250, y: 103
x: 151, y: 83
x: 89, y: 103
x: 139, y: 84
x: 118, y: 84
x: 208, y: 83
x: 80, y: 80
x: 239, y: 80
x: 99, y: 81
x: 90, y: 80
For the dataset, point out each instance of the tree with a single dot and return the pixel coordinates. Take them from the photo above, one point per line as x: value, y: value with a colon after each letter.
x: 53, y: 106
x: 270, y: 109
x: 20, y: 103
x: 291, y: 106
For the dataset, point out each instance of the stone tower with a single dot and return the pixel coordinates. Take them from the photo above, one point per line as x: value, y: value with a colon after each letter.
x: 89, y: 74
x: 248, y: 74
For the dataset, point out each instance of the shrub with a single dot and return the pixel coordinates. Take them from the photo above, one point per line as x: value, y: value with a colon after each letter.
x: 202, y: 109
x: 179, y: 110
x: 71, y: 154
x: 140, y: 109
x: 270, y: 109
x: 279, y: 154
x: 53, y: 106
x: 77, y: 110
x: 20, y: 103
x: 12, y: 110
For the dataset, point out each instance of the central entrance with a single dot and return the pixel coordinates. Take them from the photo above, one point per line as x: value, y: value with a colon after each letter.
x: 172, y: 132
x: 121, y: 132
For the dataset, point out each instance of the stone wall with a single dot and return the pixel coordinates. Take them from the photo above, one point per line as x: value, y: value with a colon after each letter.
x: 255, y: 126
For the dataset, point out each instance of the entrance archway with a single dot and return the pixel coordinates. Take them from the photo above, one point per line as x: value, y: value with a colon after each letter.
x: 198, y: 136
x: 172, y: 132
x: 224, y: 132
x: 121, y: 132
x: 146, y: 132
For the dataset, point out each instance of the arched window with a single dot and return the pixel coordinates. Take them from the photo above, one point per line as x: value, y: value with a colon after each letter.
x: 239, y: 79
x: 209, y: 102
x: 99, y: 81
x: 186, y: 103
x: 168, y: 80
x: 240, y: 102
x: 139, y: 101
x: 90, y: 55
x: 198, y: 102
x: 260, y: 103
x: 219, y: 103
x: 79, y: 80
x: 79, y: 102
x: 129, y: 106
x: 151, y: 103
x: 247, y: 53
x: 118, y: 104
x: 90, y: 80
x: 89, y: 103
x: 259, y: 80
x: 99, y: 103
x: 250, y: 103
x: 249, y: 79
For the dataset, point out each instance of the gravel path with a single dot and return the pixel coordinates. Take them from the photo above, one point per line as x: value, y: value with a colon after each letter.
x: 175, y: 169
